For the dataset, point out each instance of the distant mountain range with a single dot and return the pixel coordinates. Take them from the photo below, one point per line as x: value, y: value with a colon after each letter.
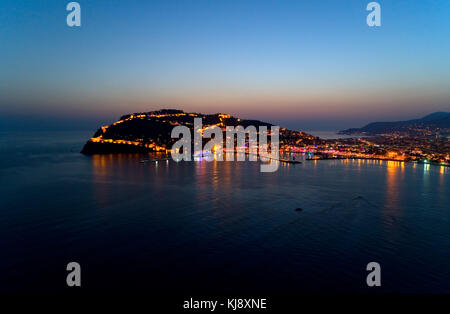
x: 435, y: 122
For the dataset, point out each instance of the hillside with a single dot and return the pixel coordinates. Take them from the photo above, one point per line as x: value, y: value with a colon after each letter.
x: 428, y: 125
x: 151, y: 131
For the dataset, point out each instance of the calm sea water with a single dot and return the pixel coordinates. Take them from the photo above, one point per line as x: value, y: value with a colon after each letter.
x: 216, y: 228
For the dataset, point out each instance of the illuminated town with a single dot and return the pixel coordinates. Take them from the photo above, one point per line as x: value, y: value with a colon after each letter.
x: 151, y: 132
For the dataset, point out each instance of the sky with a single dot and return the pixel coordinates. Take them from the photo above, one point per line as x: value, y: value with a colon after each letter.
x: 311, y: 65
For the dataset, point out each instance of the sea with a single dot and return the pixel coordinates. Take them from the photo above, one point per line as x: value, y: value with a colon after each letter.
x: 216, y: 228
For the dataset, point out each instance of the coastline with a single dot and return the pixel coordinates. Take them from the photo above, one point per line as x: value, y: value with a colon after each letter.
x: 385, y: 159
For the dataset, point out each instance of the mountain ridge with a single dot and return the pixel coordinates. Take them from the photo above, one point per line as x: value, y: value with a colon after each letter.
x: 433, y: 122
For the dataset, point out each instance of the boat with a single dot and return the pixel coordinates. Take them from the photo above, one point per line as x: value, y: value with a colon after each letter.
x: 294, y: 160
x: 290, y: 161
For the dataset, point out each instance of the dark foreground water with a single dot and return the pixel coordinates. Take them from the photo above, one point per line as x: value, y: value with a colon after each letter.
x: 216, y: 228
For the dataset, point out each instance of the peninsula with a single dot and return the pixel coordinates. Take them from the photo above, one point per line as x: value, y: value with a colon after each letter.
x: 421, y: 140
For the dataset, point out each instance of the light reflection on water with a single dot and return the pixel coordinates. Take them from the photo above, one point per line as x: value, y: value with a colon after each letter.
x: 218, y: 227
x: 366, y: 205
